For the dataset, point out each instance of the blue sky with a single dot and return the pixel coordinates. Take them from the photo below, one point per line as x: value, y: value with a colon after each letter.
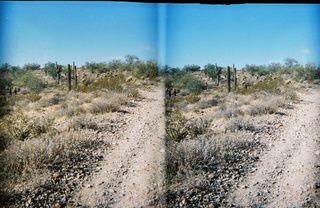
x: 173, y: 34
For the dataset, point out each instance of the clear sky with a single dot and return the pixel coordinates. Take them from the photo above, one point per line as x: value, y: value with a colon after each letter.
x: 173, y: 34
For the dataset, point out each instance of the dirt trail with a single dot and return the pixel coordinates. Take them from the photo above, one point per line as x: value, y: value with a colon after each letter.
x: 132, y: 173
x: 288, y: 173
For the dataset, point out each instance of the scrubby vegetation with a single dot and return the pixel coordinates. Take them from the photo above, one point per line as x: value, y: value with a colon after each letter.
x: 212, y: 138
x: 44, y: 127
x: 209, y: 131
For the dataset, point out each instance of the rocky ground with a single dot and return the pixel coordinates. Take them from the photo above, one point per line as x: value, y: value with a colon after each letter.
x: 280, y: 168
x: 288, y: 175
x: 124, y: 165
x: 132, y: 173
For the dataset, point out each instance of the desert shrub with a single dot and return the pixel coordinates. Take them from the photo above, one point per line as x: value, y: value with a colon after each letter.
x: 176, y: 128
x: 264, y: 104
x: 191, y: 158
x: 308, y: 72
x: 114, y: 64
x: 49, y: 101
x: 96, y: 67
x: 31, y: 66
x: 70, y: 109
x: 27, y: 162
x: 51, y: 69
x: 179, y: 128
x: 21, y: 127
x: 192, y: 98
x: 82, y: 122
x: 33, y: 97
x: 269, y: 85
x: 183, y: 159
x: 113, y: 82
x: 256, y: 70
x: 28, y: 79
x: 190, y: 82
x: 207, y: 103
x: 191, y: 68
x: 107, y: 102
x: 147, y: 70
x: 211, y: 71
x: 17, y: 126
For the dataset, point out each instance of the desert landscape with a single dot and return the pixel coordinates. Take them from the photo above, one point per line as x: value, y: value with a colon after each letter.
x: 135, y: 134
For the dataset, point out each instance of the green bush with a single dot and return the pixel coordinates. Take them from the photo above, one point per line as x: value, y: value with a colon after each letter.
x: 31, y: 67
x: 191, y: 83
x: 51, y: 69
x: 211, y: 71
x: 147, y: 70
x: 191, y: 68
x: 256, y: 70
x: 113, y: 83
x: 28, y: 79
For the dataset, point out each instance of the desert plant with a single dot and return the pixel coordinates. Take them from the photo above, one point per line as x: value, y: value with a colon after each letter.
x: 33, y: 97
x: 21, y: 127
x: 190, y: 82
x: 28, y: 79
x: 176, y: 128
x: 50, y: 69
x: 191, y: 68
x: 31, y: 66
x: 113, y: 82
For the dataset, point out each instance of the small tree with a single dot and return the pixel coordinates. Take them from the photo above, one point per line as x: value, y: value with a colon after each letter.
x: 191, y: 68
x: 191, y: 82
x: 5, y: 78
x: 114, y: 64
x: 51, y: 69
x: 274, y: 67
x: 210, y: 71
x: 31, y: 67
x: 164, y: 70
x: 289, y: 63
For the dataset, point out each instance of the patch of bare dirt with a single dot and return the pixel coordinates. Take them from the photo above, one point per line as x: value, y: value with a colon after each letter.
x: 132, y: 171
x: 288, y: 174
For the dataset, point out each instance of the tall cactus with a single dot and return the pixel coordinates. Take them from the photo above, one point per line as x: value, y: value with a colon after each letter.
x: 69, y: 77
x: 218, y: 71
x: 73, y: 67
x: 75, y: 77
x: 235, y: 77
x: 228, y: 79
x: 58, y: 70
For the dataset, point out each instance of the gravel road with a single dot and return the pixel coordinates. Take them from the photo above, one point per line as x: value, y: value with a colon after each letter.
x: 288, y: 175
x: 132, y: 173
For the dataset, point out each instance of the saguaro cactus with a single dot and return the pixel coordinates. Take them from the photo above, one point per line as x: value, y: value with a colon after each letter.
x: 235, y: 77
x: 218, y: 71
x: 228, y: 79
x: 73, y: 70
x: 58, y: 70
x: 75, y: 77
x: 69, y: 77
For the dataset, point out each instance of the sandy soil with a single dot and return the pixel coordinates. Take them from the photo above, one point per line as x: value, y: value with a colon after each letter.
x: 132, y: 173
x: 288, y: 174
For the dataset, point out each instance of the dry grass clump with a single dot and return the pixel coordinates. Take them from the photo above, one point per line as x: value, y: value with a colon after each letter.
x: 23, y: 163
x: 78, y: 123
x: 179, y: 128
x: 19, y: 126
x: 107, y: 103
x: 265, y: 103
x: 190, y: 158
x: 50, y: 100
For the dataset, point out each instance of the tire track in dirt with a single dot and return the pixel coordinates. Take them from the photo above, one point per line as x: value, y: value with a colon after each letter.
x: 132, y: 173
x: 287, y: 174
